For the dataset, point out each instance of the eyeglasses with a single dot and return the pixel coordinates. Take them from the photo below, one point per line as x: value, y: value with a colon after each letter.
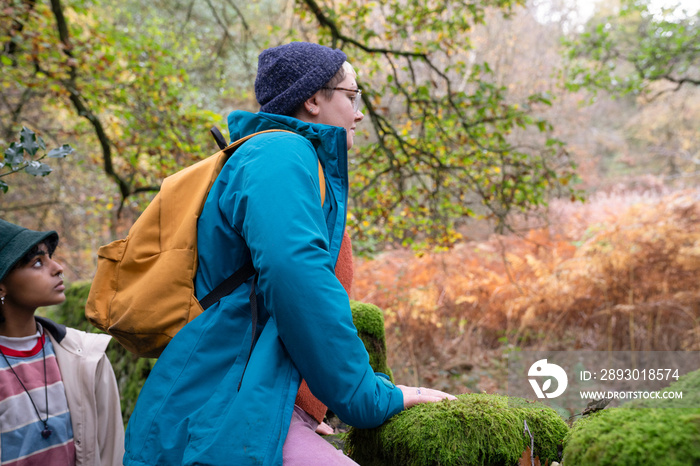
x: 356, y: 99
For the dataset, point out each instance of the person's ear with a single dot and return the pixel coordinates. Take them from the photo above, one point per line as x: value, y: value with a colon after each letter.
x: 311, y: 105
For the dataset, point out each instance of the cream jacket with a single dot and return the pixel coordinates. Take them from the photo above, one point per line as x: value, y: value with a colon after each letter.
x: 92, y: 394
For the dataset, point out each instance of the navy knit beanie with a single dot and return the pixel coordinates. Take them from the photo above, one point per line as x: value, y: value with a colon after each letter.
x: 289, y: 74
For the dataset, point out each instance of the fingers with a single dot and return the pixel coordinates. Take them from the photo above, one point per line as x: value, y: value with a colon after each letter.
x: 430, y: 393
x: 416, y: 395
x: 324, y: 429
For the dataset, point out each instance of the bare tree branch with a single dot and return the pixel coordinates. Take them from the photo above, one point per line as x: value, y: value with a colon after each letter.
x: 81, y: 107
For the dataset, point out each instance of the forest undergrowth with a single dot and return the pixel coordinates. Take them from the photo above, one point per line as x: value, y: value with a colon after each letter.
x: 619, y: 272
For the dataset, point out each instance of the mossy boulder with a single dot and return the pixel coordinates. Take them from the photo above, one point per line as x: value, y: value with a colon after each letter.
x: 641, y: 432
x: 476, y: 429
x: 369, y: 321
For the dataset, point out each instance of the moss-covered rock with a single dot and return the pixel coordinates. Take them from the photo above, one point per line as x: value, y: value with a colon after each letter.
x: 369, y: 321
x: 641, y: 432
x: 624, y: 436
x: 476, y: 429
x: 130, y: 371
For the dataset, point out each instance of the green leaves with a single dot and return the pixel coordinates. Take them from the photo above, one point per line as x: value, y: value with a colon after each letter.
x: 139, y: 84
x: 60, y: 152
x: 444, y: 157
x: 30, y: 142
x: 37, y: 168
x: 15, y: 160
x: 443, y: 133
x: 13, y: 154
x: 626, y: 53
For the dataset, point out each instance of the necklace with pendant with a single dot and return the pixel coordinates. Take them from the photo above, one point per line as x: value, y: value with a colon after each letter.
x: 46, y: 433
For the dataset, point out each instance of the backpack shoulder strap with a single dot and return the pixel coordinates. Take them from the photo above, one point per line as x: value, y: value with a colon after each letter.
x: 322, y: 183
x: 229, y: 284
x: 218, y: 137
x: 220, y: 141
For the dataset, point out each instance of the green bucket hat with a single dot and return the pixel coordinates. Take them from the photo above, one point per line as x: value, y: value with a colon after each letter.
x: 16, y: 241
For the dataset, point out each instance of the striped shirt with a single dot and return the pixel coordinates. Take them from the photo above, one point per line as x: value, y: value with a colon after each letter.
x: 20, y: 427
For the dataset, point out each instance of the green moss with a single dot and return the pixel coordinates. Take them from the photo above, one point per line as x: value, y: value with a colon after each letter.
x: 476, y: 429
x: 641, y: 436
x: 641, y: 432
x: 369, y: 321
x: 130, y: 371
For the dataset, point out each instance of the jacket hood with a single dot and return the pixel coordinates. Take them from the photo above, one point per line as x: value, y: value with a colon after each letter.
x: 331, y: 138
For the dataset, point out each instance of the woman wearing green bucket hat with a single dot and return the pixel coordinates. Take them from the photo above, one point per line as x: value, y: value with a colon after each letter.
x: 59, y: 402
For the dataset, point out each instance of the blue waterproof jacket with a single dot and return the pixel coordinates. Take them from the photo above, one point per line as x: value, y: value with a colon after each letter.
x: 264, y: 205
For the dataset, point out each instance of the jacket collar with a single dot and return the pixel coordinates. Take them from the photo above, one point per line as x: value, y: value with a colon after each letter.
x: 330, y: 141
x: 57, y: 331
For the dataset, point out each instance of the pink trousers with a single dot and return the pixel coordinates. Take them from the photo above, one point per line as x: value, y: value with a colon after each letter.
x: 304, y: 447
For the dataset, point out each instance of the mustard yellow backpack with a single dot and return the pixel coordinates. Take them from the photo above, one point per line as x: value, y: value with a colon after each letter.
x: 143, y: 291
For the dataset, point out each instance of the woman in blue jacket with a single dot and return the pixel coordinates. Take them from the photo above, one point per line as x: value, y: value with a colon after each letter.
x: 207, y: 400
